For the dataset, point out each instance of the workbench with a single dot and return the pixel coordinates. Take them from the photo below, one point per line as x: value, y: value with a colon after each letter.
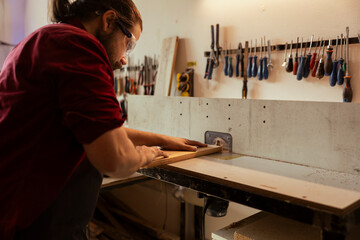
x: 299, y: 160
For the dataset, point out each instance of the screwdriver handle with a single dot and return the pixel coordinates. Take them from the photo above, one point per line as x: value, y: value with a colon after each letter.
x: 237, y: 65
x: 290, y: 65
x: 333, y: 76
x: 230, y: 70
x: 207, y: 68
x: 296, y: 63
x: 307, y: 66
x: 226, y: 66
x: 211, y: 68
x: 316, y: 65
x: 340, y: 73
x: 312, y: 61
x: 244, y: 90
x: 328, y: 63
x: 242, y: 66
x: 254, y: 67
x: 300, y: 70
x: 260, y: 69
x: 265, y: 69
x: 320, y: 70
x: 249, y: 67
x: 347, y: 94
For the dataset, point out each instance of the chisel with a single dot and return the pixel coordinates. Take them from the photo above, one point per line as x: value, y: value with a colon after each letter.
x: 230, y: 66
x: 333, y: 76
x: 246, y: 52
x: 308, y: 59
x: 254, y: 66
x: 260, y: 69
x: 296, y: 63
x: 249, y: 74
x: 328, y: 61
x: 265, y: 64
x: 313, y: 59
x: 226, y: 64
x: 289, y: 66
x: 340, y: 73
x: 347, y: 94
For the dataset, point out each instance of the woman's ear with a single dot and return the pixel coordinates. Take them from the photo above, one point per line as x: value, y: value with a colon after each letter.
x: 108, y: 21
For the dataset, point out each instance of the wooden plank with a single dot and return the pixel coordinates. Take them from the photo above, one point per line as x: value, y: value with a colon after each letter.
x: 176, y: 156
x: 294, y: 190
x: 166, y: 66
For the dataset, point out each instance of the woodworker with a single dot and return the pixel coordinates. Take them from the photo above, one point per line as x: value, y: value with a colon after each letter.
x: 58, y: 105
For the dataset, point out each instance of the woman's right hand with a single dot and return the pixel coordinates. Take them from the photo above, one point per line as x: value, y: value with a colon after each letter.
x: 149, y: 154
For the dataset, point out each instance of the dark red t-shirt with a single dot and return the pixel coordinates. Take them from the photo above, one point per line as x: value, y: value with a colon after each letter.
x: 56, y: 93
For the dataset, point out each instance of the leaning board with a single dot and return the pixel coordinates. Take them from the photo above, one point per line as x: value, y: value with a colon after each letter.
x: 176, y: 156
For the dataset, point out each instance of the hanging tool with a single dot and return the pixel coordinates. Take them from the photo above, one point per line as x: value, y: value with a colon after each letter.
x: 260, y: 69
x: 265, y: 64
x: 218, y: 48
x: 300, y: 70
x: 340, y: 73
x: 333, y: 76
x: 244, y: 89
x: 289, y: 65
x: 320, y: 70
x: 316, y: 64
x: 226, y: 59
x: 230, y: 66
x: 313, y: 59
x: 328, y: 61
x: 285, y: 56
x: 239, y: 67
x: 308, y: 59
x: 249, y: 73
x: 347, y: 94
x: 254, y: 66
x: 213, y: 60
x: 269, y: 65
x: 296, y: 63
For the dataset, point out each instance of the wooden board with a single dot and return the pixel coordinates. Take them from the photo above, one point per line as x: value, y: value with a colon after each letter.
x: 299, y: 191
x: 176, y: 156
x: 166, y: 66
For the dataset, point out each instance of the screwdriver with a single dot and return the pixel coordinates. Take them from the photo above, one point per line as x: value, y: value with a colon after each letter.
x: 295, y: 67
x: 347, y: 94
x: 226, y: 64
x: 289, y: 66
x: 246, y: 52
x: 249, y: 74
x: 285, y: 63
x: 254, y: 66
x: 238, y: 60
x: 230, y: 69
x: 265, y: 64
x: 340, y: 73
x: 260, y: 69
x: 328, y: 61
x: 320, y: 70
x: 300, y: 70
x: 313, y: 59
x: 313, y: 73
x: 307, y: 61
x: 333, y: 76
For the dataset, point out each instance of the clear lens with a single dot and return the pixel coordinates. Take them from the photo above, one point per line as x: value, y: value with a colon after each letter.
x: 131, y: 45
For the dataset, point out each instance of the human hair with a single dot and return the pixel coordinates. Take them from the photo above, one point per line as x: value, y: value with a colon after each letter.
x: 127, y: 12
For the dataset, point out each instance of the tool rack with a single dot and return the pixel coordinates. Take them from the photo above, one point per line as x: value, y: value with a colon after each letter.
x: 278, y: 47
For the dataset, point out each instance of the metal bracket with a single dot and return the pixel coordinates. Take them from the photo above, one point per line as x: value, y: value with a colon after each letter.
x: 224, y: 139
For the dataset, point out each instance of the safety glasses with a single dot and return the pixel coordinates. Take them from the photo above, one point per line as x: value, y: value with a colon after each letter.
x: 131, y: 44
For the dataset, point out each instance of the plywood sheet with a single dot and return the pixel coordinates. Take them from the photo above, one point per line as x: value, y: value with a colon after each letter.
x: 166, y: 66
x: 176, y: 156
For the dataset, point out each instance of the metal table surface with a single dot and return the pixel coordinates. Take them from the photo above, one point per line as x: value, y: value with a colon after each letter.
x: 327, y: 199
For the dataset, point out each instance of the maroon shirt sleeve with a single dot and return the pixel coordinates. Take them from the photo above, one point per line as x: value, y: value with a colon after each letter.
x: 85, y: 87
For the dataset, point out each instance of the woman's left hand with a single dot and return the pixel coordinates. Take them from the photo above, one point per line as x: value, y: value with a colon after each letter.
x: 175, y: 143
